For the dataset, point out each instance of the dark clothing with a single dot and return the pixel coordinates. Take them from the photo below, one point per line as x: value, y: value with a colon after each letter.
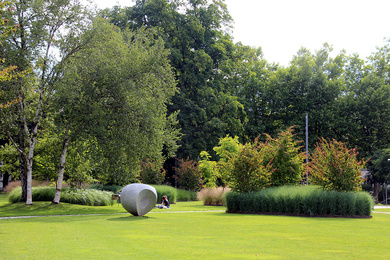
x: 165, y: 202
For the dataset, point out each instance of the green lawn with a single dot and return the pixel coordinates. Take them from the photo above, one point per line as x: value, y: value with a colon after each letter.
x: 180, y: 233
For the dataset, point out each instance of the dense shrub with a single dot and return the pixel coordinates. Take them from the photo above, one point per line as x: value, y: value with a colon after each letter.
x: 113, y: 188
x: 213, y: 196
x: 334, y: 167
x: 227, y: 150
x: 189, y: 175
x: 208, y: 170
x: 169, y: 191
x: 88, y: 197
x: 152, y: 172
x: 248, y: 172
x: 286, y: 157
x: 301, y: 200
x: 185, y: 195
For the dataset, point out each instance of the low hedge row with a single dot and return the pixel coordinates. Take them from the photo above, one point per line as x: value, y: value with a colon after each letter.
x: 301, y: 200
x: 88, y: 197
x: 185, y: 195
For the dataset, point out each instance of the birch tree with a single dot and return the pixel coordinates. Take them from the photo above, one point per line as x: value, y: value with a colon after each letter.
x: 44, y: 27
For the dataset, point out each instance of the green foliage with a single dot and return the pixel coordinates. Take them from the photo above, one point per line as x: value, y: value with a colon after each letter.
x: 115, y: 93
x: 379, y: 166
x: 228, y: 147
x: 169, y: 191
x: 113, y: 188
x: 82, y: 163
x: 152, y: 172
x: 254, y: 166
x: 286, y: 157
x: 189, y: 175
x: 301, y: 200
x: 208, y: 170
x: 199, y: 47
x: 185, y: 195
x: 335, y: 167
x: 248, y: 172
x: 88, y: 197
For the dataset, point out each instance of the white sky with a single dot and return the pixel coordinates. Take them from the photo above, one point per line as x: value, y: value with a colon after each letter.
x: 281, y: 27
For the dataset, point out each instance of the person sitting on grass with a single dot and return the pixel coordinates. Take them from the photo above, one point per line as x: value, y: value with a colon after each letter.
x: 164, y: 204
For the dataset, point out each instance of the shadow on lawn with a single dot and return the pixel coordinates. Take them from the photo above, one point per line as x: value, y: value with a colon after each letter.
x: 130, y: 218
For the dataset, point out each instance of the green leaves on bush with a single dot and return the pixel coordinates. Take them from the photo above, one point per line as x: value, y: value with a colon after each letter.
x: 335, y: 167
x: 286, y: 157
x: 189, y: 175
x: 253, y: 166
x: 248, y: 171
x: 300, y: 200
x: 152, y: 172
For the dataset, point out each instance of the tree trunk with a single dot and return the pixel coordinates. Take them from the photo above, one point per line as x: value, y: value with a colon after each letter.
x: 376, y: 191
x: 29, y: 170
x: 65, y: 143
x: 22, y: 164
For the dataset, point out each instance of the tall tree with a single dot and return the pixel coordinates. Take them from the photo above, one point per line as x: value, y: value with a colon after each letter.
x: 43, y: 26
x: 311, y: 84
x: 363, y: 107
x: 194, y: 31
x: 115, y: 91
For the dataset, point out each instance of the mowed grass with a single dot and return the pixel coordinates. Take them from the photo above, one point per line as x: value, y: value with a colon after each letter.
x: 180, y: 233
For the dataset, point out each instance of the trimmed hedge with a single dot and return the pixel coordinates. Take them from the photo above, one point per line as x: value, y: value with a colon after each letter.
x: 169, y: 191
x: 185, y: 195
x: 301, y: 200
x: 88, y: 197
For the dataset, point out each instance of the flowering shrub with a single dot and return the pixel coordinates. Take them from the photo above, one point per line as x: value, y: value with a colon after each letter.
x: 334, y: 167
x: 152, y: 172
x: 189, y: 175
x: 249, y: 173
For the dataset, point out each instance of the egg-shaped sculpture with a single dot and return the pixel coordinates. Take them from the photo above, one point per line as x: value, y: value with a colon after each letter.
x: 138, y: 199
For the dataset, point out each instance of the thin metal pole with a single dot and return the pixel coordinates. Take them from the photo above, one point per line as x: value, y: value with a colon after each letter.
x: 307, y: 147
x: 387, y: 179
x: 175, y: 172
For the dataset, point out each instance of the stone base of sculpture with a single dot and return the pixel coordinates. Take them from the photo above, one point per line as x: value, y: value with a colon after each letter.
x: 138, y: 199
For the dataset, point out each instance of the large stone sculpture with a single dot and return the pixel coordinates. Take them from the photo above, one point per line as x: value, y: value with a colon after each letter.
x: 138, y: 199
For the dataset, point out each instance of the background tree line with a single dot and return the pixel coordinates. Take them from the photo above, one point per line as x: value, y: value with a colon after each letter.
x: 164, y: 78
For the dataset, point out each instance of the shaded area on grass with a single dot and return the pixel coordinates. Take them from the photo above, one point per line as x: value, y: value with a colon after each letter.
x: 40, y: 208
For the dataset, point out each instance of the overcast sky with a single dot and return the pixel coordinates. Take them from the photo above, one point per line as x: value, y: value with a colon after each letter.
x: 281, y: 27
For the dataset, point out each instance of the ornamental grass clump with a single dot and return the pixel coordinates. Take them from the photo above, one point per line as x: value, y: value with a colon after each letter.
x: 88, y: 197
x: 301, y: 200
x: 213, y: 196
